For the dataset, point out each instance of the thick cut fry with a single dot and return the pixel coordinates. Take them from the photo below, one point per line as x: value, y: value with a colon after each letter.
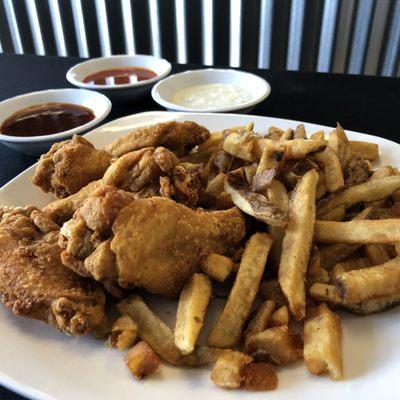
x: 228, y: 329
x: 228, y: 371
x: 369, y: 191
x: 287, y: 135
x: 384, y: 172
x: 339, y: 143
x: 270, y: 290
x: 300, y: 132
x: 325, y: 293
x: 349, y: 265
x: 295, y: 149
x: 297, y: 243
x: 376, y: 253
x: 241, y: 145
x: 321, y: 187
x: 319, y: 135
x: 333, y: 173
x: 217, y: 267
x: 336, y: 214
x: 160, y: 337
x: 260, y: 319
x: 214, y: 140
x: 215, y: 186
x: 123, y: 333
x: 366, y: 150
x: 364, y: 231
x: 275, y: 344
x: 279, y: 317
x: 368, y: 283
x: 142, y: 360
x: 260, y: 376
x: 254, y: 204
x: 322, y: 342
x: 192, y: 308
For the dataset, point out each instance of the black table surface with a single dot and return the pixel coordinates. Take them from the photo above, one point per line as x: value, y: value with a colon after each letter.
x: 360, y: 103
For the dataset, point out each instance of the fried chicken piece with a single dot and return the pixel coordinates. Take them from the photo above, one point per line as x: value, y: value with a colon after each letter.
x: 179, y: 137
x: 33, y: 281
x: 139, y: 169
x: 85, y: 238
x: 69, y: 166
x: 159, y: 243
x: 62, y: 210
x: 183, y: 184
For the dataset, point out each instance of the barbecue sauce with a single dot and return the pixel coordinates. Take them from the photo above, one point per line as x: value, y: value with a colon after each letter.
x: 120, y: 76
x: 46, y: 119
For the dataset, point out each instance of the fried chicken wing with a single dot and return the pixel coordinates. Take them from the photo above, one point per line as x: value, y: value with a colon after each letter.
x: 159, y: 243
x: 33, y: 281
x: 179, y: 137
x: 69, y: 166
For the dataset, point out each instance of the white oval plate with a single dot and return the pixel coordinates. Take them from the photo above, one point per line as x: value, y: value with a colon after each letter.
x: 41, y: 363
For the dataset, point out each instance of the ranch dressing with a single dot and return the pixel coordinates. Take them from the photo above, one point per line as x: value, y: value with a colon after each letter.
x: 211, y: 95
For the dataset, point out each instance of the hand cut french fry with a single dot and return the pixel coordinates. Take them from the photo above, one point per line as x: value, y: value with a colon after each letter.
x: 368, y: 283
x: 160, y: 337
x: 376, y: 253
x: 280, y: 317
x: 228, y: 371
x: 369, y: 191
x: 260, y: 376
x: 297, y: 243
x: 215, y: 186
x: 325, y: 293
x: 192, y: 308
x: 241, y: 145
x: 349, y: 265
x: 274, y: 133
x: 332, y: 254
x: 364, y: 231
x: 295, y: 149
x: 300, y: 132
x: 366, y: 150
x: 384, y: 172
x: 336, y: 214
x: 217, y: 267
x: 339, y: 143
x: 142, y: 360
x: 319, y: 135
x: 214, y: 140
x: 260, y: 319
x: 333, y: 172
x: 322, y: 342
x: 123, y: 333
x: 287, y: 135
x: 275, y: 344
x: 321, y: 187
x: 227, y: 331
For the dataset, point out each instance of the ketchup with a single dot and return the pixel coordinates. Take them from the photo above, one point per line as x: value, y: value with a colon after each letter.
x: 46, y: 119
x: 120, y: 76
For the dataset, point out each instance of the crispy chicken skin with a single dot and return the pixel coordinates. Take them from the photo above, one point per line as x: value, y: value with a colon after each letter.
x: 69, y: 166
x: 159, y: 243
x: 33, y: 281
x: 136, y: 170
x: 179, y: 137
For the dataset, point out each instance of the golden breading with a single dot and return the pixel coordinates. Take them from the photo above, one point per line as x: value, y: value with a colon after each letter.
x: 179, y: 137
x: 141, y: 360
x: 69, y: 166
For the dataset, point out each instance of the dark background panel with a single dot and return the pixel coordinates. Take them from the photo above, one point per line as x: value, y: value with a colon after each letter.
x: 221, y: 12
x: 280, y: 34
x: 141, y: 21
x: 250, y: 33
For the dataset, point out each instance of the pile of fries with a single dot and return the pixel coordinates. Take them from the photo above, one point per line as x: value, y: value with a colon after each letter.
x: 324, y: 234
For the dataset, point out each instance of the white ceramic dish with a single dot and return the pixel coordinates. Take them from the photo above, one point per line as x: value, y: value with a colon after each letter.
x: 44, y: 364
x: 119, y: 93
x: 258, y: 87
x: 34, y: 145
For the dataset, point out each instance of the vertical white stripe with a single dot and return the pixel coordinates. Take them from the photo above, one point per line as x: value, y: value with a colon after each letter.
x: 1, y: 48
x: 80, y: 31
x: 327, y: 35
x: 13, y: 25
x: 181, y: 43
x: 155, y: 28
x: 127, y: 19
x: 389, y: 62
x: 207, y: 32
x: 295, y: 34
x: 104, y: 32
x: 235, y: 33
x: 57, y: 27
x: 360, y: 36
x: 264, y: 44
x: 35, y: 27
